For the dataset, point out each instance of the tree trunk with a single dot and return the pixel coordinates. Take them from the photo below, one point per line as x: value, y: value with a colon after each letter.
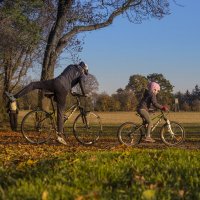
x: 50, y: 56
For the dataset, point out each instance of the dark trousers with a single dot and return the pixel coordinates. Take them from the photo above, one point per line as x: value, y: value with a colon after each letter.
x: 59, y: 92
x: 13, y: 120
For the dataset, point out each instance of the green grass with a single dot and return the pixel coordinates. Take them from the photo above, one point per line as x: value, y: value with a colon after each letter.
x: 129, y: 174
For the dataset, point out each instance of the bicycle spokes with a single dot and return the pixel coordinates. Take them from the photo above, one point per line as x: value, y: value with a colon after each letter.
x: 129, y: 134
x: 172, y: 134
x: 37, y: 126
x: 87, y: 128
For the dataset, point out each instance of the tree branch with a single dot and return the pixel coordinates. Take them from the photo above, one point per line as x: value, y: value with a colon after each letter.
x: 77, y: 29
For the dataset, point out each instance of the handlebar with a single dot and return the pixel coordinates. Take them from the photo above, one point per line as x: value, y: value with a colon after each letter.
x: 77, y: 95
x: 162, y: 111
x: 167, y: 111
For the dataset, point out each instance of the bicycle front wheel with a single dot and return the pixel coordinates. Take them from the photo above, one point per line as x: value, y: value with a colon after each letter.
x: 37, y: 126
x: 173, y: 135
x: 87, y: 128
x: 129, y: 134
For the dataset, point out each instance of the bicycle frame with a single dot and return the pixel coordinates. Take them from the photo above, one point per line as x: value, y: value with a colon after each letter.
x: 71, y: 110
x: 160, y: 117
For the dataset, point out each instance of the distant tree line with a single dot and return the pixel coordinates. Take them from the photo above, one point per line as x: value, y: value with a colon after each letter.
x: 128, y: 98
x: 189, y: 101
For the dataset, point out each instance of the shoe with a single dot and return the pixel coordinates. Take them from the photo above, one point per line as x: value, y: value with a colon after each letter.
x: 149, y: 139
x: 10, y: 96
x: 60, y: 139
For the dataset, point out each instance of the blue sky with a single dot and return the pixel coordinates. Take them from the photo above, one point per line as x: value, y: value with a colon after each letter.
x: 170, y: 46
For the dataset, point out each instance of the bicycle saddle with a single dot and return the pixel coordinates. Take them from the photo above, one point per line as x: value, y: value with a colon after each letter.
x: 49, y: 94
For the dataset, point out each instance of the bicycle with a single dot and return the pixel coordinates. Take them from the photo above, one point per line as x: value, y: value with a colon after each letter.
x: 37, y: 125
x: 172, y: 133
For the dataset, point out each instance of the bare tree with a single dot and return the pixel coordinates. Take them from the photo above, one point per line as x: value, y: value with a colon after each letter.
x: 76, y: 16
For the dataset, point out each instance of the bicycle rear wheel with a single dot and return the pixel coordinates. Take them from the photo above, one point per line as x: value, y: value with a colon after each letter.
x: 173, y: 136
x: 37, y: 126
x: 87, y: 128
x: 129, y: 134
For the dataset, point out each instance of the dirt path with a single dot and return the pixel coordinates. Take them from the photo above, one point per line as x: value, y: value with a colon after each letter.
x: 8, y: 138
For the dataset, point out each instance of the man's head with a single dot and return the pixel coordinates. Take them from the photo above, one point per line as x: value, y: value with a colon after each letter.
x: 85, y: 67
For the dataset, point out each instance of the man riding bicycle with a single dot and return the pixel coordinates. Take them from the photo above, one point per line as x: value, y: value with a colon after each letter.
x: 60, y: 86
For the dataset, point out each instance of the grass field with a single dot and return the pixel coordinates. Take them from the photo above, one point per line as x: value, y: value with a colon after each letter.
x: 120, y: 117
x: 106, y: 170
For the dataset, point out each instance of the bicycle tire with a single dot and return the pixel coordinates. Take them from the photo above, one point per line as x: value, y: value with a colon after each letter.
x: 36, y: 126
x: 129, y: 134
x: 87, y: 128
x: 174, y: 139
